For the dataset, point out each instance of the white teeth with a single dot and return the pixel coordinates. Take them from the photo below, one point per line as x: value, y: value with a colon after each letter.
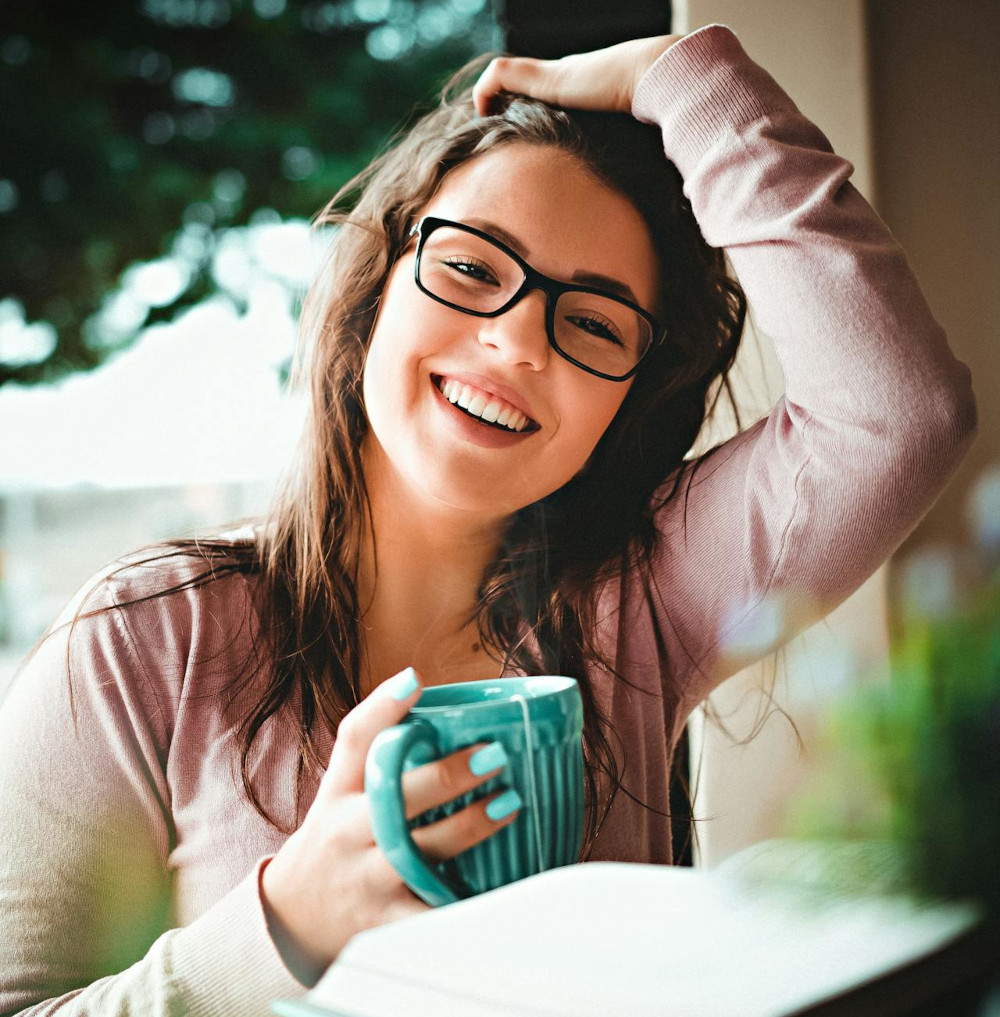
x: 482, y: 406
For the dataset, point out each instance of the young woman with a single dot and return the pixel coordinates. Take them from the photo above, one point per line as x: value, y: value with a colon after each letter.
x: 514, y: 345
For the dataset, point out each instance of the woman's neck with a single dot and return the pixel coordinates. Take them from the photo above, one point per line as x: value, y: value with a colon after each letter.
x: 418, y: 586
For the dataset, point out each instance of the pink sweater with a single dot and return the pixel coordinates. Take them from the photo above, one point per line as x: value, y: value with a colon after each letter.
x: 130, y: 860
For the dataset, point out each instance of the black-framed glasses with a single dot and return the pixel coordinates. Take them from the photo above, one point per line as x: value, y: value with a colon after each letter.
x: 471, y: 271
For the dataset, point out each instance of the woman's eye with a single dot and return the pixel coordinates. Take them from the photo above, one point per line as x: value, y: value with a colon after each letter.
x: 471, y: 269
x: 597, y: 327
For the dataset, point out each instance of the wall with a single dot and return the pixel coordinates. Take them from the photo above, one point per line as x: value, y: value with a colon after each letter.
x: 936, y: 120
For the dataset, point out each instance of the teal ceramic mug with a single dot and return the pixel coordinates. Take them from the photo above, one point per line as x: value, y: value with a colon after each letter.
x: 539, y: 722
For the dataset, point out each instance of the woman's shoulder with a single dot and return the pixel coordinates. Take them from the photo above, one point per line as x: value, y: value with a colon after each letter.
x: 163, y: 625
x: 170, y: 601
x: 172, y: 572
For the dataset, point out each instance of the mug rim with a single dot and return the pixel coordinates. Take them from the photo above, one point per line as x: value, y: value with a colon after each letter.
x: 567, y: 685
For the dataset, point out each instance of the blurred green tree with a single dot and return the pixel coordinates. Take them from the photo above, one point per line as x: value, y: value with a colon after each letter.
x: 136, y: 129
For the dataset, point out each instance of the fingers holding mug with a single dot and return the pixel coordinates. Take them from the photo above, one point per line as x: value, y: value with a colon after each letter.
x: 436, y: 758
x: 462, y: 830
x: 434, y: 784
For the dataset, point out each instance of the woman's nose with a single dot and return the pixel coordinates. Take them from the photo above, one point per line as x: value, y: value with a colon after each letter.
x: 519, y: 335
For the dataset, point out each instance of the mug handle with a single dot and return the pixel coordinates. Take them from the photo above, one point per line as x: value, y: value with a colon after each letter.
x: 384, y: 787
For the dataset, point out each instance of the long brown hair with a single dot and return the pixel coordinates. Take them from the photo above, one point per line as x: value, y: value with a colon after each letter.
x: 537, y: 604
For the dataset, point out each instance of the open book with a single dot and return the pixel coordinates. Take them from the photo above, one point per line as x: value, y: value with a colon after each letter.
x: 773, y: 931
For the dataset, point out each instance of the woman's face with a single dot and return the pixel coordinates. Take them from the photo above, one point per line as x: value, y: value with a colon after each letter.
x: 566, y: 224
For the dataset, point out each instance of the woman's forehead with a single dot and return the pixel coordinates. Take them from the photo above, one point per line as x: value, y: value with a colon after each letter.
x: 564, y: 218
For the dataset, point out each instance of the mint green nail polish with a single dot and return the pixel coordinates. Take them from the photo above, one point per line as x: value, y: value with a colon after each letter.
x: 503, y: 806
x: 403, y: 684
x: 489, y: 758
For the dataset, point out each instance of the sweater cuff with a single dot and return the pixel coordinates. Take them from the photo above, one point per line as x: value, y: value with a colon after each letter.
x: 702, y: 88
x: 226, y: 960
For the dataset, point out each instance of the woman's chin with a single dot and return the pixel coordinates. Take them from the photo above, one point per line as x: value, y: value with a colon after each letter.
x: 458, y: 479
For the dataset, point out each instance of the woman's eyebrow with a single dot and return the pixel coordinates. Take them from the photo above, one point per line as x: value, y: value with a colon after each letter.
x: 500, y: 233
x: 598, y: 281
x: 605, y: 282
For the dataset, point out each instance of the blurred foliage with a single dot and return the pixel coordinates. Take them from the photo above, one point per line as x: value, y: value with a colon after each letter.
x: 916, y: 761
x: 125, y: 120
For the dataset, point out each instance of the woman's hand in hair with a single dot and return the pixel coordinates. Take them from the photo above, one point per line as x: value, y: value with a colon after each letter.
x: 330, y: 880
x: 603, y: 80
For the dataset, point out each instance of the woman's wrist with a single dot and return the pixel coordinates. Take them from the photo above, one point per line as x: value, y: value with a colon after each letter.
x: 300, y: 961
x: 703, y: 89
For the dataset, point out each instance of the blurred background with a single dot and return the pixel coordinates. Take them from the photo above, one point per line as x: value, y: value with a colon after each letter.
x: 160, y: 163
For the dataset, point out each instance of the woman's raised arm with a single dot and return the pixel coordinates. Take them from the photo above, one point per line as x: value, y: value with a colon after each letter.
x: 793, y: 515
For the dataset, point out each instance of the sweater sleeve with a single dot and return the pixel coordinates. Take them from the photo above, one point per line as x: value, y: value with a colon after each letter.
x: 775, y: 527
x: 85, y: 821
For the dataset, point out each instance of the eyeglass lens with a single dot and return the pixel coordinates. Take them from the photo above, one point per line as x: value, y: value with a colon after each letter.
x: 599, y: 331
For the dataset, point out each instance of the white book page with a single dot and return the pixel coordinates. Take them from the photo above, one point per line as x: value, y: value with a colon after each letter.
x: 605, y: 937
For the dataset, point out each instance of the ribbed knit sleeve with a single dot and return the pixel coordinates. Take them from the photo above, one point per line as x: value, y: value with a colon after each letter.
x: 792, y: 515
x: 87, y: 831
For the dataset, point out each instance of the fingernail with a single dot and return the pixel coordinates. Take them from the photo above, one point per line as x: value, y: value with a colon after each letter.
x: 500, y: 808
x: 402, y: 685
x: 489, y: 758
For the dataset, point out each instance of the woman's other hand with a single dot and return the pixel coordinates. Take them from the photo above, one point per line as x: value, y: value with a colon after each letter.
x: 330, y: 880
x: 603, y: 80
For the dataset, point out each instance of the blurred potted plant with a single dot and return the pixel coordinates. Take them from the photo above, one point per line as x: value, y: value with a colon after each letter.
x: 916, y: 761
x: 936, y: 737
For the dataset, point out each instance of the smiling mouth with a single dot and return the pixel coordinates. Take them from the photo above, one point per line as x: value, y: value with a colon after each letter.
x: 486, y: 409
